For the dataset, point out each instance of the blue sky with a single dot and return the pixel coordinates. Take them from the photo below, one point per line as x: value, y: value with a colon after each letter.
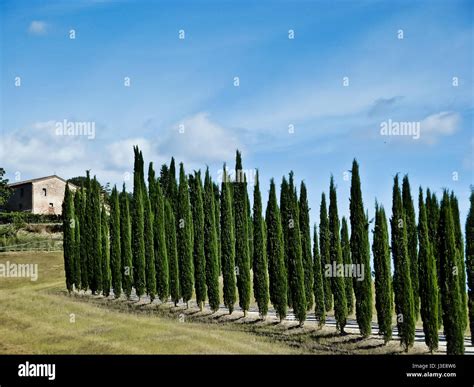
x: 283, y: 82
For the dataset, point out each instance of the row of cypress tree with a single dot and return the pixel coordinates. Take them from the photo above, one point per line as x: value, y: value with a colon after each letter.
x: 172, y: 239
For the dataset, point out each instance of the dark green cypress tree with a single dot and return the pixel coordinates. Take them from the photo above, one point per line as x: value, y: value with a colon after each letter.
x: 295, y: 258
x: 346, y: 258
x: 210, y: 244
x: 470, y: 262
x: 138, y: 227
x: 324, y: 247
x: 164, y: 179
x: 198, y: 227
x: 360, y: 253
x: 383, y: 277
x: 96, y: 237
x: 77, y: 238
x: 68, y: 237
x: 83, y: 239
x: 260, y: 266
x: 242, y: 259
x: 126, y: 243
x: 402, y: 278
x: 172, y: 188
x: 227, y: 243
x: 88, y: 245
x: 105, y: 237
x: 249, y: 225
x: 459, y: 239
x: 115, y: 248
x: 275, y: 253
x: 412, y: 238
x: 428, y: 280
x: 159, y: 244
x: 149, y: 239
x: 319, y: 309
x: 306, y: 246
x: 285, y: 221
x: 217, y: 215
x: 172, y: 252
x: 449, y: 270
x: 432, y: 214
x: 338, y: 286
x: 185, y: 238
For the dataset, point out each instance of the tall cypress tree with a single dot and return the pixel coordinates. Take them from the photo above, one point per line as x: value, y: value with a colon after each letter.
x: 306, y: 245
x: 68, y: 237
x: 412, y: 241
x: 217, y: 216
x: 449, y: 270
x: 149, y: 239
x: 126, y: 243
x: 346, y: 258
x: 106, y: 274
x: 96, y: 237
x: 285, y: 221
x: 77, y: 238
x: 360, y: 253
x: 337, y: 280
x: 161, y: 255
x: 185, y: 238
x: 428, y: 279
x: 260, y: 267
x: 81, y: 197
x: 402, y: 279
x: 320, y: 308
x: 470, y: 262
x: 172, y: 188
x: 172, y: 252
x: 138, y: 227
x: 198, y: 227
x: 227, y: 243
x: 211, y: 244
x: 242, y: 259
x: 325, y: 255
x: 459, y: 239
x: 295, y: 258
x: 88, y: 226
x: 275, y: 253
x: 432, y: 214
x: 383, y: 277
x: 115, y: 248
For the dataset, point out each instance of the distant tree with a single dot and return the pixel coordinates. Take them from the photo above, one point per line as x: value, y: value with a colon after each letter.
x: 185, y: 238
x: 5, y: 191
x: 337, y: 282
x: 105, y: 259
x: 198, y: 227
x: 450, y: 292
x: 470, y: 262
x: 242, y: 258
x: 428, y: 280
x: 324, y: 248
x: 383, y: 277
x: 360, y: 254
x: 402, y: 277
x: 346, y: 258
x: 412, y: 241
x: 172, y: 252
x: 320, y: 309
x: 68, y: 237
x: 275, y: 253
x: 227, y: 243
x: 126, y: 243
x: 115, y: 248
x: 260, y: 266
x: 306, y: 245
x: 210, y: 244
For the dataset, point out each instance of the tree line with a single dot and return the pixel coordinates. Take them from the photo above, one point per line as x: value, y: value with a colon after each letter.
x: 174, y: 237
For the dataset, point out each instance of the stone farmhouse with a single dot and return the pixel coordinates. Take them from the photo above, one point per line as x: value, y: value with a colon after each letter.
x: 43, y: 195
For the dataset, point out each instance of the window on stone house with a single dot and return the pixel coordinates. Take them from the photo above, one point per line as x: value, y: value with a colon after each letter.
x: 44, y: 191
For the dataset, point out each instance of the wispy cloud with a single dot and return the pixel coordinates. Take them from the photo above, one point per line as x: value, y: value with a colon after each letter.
x: 38, y: 27
x: 383, y: 105
x: 439, y: 125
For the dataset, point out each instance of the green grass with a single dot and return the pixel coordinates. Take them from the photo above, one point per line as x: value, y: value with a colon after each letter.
x: 36, y: 318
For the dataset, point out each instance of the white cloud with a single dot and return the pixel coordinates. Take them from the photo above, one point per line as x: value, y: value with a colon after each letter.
x: 438, y: 125
x: 37, y: 27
